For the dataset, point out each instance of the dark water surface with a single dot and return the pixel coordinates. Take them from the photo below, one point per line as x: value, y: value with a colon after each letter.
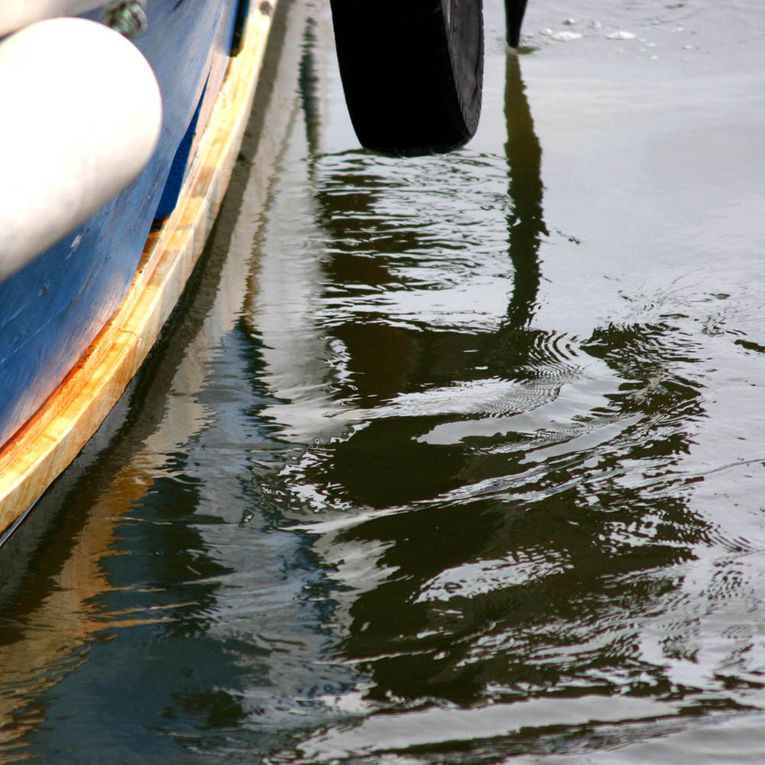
x: 448, y: 460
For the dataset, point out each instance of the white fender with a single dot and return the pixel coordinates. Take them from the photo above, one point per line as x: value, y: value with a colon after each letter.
x: 15, y: 14
x: 81, y: 116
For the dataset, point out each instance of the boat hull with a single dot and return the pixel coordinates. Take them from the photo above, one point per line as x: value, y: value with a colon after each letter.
x: 46, y: 443
x: 52, y: 310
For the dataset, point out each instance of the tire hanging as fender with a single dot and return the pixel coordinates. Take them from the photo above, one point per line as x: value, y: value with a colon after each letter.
x: 412, y: 71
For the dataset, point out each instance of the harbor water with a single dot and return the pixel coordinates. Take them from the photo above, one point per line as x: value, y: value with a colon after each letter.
x: 454, y: 459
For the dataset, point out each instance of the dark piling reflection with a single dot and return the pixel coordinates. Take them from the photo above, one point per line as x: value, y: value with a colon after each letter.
x: 526, y: 224
x: 308, y: 82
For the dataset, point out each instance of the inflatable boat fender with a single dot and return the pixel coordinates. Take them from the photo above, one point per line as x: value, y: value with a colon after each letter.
x: 82, y: 113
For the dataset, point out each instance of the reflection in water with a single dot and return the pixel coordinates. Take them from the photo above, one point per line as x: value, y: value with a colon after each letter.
x: 526, y: 225
x: 506, y: 517
x: 85, y: 572
x: 477, y: 544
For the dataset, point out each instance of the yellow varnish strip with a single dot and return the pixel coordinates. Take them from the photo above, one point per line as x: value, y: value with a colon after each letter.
x: 55, y: 435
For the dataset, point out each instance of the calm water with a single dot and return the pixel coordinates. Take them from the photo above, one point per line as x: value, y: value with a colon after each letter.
x: 449, y: 460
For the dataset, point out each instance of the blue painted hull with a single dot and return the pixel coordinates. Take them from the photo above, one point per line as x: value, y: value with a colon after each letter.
x: 52, y: 310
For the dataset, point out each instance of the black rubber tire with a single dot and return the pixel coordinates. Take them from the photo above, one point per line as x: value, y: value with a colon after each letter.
x: 412, y: 71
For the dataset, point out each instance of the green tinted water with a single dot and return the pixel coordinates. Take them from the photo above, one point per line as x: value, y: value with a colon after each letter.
x: 449, y: 460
